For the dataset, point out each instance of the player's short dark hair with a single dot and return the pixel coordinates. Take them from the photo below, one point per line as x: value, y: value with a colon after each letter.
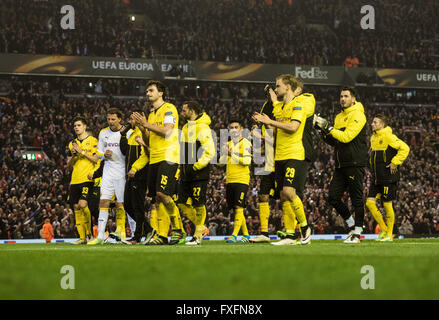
x: 293, y: 81
x: 352, y: 90
x: 383, y: 118
x: 80, y: 118
x: 115, y: 111
x: 195, y: 106
x: 234, y: 120
x: 161, y: 87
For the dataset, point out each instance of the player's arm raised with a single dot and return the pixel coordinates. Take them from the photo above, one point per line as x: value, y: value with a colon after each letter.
x: 290, y: 127
x: 73, y: 158
x: 163, y: 131
x: 354, y: 126
x: 123, y: 143
x: 85, y: 154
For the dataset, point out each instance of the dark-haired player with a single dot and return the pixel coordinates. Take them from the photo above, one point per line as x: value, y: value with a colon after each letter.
x: 161, y: 129
x: 198, y: 149
x: 348, y: 137
x: 83, y: 161
x: 237, y: 155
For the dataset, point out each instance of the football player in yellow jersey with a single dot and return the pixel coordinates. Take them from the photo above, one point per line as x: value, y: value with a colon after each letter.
x: 237, y: 154
x: 291, y: 167
x: 388, y: 152
x: 161, y: 129
x: 83, y: 161
x: 197, y: 150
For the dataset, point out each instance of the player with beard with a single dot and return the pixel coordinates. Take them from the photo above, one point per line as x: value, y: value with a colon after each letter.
x: 161, y: 132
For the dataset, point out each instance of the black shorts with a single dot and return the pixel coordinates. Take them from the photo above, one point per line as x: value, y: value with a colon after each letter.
x: 268, y: 186
x: 94, y: 195
x: 162, y: 177
x: 196, y: 190
x: 78, y: 192
x: 291, y: 173
x: 383, y: 192
x: 236, y: 194
x: 134, y: 196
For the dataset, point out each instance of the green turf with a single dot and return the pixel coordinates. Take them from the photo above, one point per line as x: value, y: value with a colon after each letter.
x: 404, y: 269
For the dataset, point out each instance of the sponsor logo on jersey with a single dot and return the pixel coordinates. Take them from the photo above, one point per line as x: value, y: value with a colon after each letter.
x: 111, y: 144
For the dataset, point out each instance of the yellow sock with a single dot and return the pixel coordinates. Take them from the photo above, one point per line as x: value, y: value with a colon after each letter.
x: 153, y: 219
x: 244, y: 224
x: 79, y: 217
x: 371, y: 205
x: 87, y: 220
x: 163, y: 221
x: 174, y: 215
x: 239, y: 216
x: 390, y: 217
x: 289, y: 217
x: 264, y: 214
x: 178, y: 215
x: 299, y: 211
x: 200, y: 218
x: 188, y: 211
x: 120, y: 221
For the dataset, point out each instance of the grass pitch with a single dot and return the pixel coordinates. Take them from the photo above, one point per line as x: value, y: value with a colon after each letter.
x: 325, y: 269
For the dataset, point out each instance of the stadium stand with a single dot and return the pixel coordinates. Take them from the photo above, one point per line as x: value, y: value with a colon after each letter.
x: 312, y: 32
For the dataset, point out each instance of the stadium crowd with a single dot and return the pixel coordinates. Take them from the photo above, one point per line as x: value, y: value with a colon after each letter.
x: 313, y: 32
x: 39, y: 114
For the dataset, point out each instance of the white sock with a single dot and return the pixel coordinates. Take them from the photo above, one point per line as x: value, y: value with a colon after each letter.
x: 132, y: 224
x: 102, y: 223
x: 350, y: 221
x: 358, y: 230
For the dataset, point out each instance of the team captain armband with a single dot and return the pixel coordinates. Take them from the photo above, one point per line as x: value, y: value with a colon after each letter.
x: 169, y: 118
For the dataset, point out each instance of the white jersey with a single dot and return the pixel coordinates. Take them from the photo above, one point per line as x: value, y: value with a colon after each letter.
x: 114, y: 167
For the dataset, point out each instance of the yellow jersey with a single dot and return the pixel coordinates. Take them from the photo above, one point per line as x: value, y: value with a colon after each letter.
x: 238, y: 163
x: 133, y: 159
x: 164, y: 148
x: 83, y: 166
x: 386, y: 149
x: 290, y: 145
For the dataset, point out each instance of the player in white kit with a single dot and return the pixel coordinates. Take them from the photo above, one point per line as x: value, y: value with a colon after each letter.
x: 113, y: 176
